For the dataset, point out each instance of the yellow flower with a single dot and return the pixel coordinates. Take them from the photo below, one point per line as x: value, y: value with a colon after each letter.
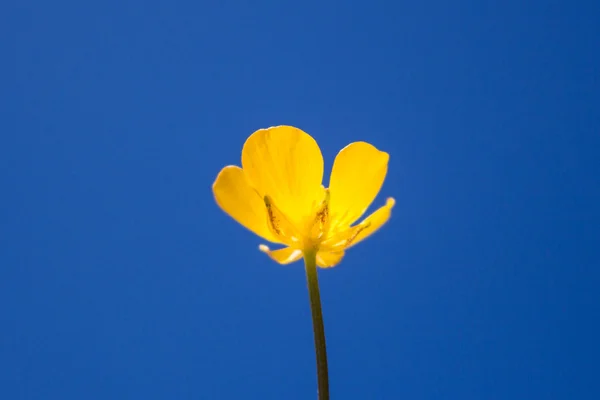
x: 278, y: 195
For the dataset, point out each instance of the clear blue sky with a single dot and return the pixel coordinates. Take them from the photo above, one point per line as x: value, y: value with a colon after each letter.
x: 120, y: 278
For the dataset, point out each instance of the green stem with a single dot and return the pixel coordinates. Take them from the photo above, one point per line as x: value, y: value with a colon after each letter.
x: 318, y: 328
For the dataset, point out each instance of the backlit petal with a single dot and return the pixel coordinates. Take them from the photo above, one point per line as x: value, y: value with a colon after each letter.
x: 241, y: 202
x: 280, y: 225
x: 285, y: 163
x: 357, y: 175
x: 283, y: 256
x: 374, y: 221
x: 327, y: 259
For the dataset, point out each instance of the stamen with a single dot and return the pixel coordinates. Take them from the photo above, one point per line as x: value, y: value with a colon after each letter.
x: 321, y: 220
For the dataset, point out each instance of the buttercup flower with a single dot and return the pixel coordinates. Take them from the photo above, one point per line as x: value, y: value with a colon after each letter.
x: 278, y: 194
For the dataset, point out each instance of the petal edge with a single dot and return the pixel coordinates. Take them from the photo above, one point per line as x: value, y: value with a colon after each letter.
x: 357, y: 175
x: 326, y: 259
x: 374, y: 221
x: 284, y: 256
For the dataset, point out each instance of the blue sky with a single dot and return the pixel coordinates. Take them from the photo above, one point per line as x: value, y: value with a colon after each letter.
x: 120, y: 278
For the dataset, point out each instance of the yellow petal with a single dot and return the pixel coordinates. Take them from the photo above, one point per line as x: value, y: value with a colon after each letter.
x: 340, y: 240
x: 327, y: 259
x: 285, y: 163
x: 283, y: 256
x: 357, y: 175
x: 241, y: 202
x: 373, y: 222
x: 280, y: 225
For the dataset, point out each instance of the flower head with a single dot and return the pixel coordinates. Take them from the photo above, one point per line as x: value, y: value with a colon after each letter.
x: 278, y: 194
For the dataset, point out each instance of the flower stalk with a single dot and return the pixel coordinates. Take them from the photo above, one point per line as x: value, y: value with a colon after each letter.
x: 318, y: 326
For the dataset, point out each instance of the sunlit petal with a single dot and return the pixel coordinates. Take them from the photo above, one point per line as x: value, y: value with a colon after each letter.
x: 285, y: 163
x: 373, y: 222
x: 283, y: 256
x: 235, y: 197
x: 357, y: 175
x: 326, y: 259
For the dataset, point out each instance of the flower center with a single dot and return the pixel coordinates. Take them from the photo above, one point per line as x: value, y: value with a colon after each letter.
x: 304, y: 235
x: 315, y: 232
